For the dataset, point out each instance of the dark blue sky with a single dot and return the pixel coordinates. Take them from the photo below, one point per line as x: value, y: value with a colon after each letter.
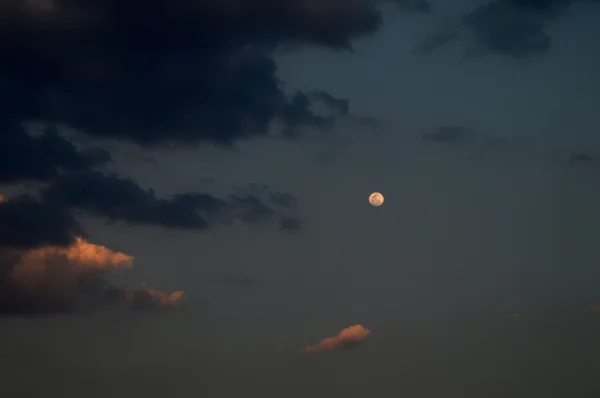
x: 230, y: 147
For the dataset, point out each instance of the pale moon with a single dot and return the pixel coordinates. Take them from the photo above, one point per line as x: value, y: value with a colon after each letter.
x: 376, y: 199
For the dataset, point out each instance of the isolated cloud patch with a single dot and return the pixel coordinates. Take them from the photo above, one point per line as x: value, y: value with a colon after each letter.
x: 347, y: 338
x: 143, y: 299
x: 53, y: 279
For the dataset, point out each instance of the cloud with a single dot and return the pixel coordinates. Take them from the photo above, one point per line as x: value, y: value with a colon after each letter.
x: 511, y: 28
x: 152, y: 299
x: 419, y: 6
x: 55, y: 279
x: 349, y: 337
x: 168, y: 71
x: 31, y: 221
x: 122, y: 199
x: 27, y: 222
x: 27, y: 157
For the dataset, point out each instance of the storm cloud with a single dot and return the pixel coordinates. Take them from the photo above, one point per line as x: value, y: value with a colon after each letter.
x: 175, y: 71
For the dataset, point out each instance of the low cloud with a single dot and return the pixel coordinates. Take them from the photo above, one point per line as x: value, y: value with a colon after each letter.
x: 55, y: 279
x: 347, y: 338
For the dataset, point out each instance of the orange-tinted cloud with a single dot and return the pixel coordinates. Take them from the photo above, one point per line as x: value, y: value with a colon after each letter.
x: 2, y: 198
x: 346, y: 338
x: 60, y: 273
x: 594, y: 308
x: 66, y: 279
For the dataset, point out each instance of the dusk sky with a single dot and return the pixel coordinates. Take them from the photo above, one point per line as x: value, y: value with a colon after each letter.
x: 184, y: 194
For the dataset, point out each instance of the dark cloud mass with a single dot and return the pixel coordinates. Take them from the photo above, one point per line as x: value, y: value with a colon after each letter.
x: 122, y: 199
x: 27, y: 222
x: 180, y: 71
x: 513, y: 28
x: 25, y: 156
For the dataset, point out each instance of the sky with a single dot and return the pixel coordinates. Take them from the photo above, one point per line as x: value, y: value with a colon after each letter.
x: 184, y: 198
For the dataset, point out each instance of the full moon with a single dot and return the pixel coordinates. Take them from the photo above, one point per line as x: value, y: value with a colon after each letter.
x: 376, y: 199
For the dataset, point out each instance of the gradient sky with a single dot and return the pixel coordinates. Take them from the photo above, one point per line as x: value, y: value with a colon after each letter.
x: 476, y: 278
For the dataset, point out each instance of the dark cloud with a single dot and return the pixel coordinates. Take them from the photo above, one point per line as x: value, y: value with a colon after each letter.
x: 513, y: 28
x: 179, y: 71
x: 40, y: 157
x: 27, y: 222
x: 122, y: 199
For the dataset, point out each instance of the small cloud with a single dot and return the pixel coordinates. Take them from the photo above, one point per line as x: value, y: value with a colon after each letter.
x: 347, y: 338
x: 151, y: 299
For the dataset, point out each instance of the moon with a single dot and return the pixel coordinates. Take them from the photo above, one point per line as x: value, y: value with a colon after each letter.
x: 376, y: 199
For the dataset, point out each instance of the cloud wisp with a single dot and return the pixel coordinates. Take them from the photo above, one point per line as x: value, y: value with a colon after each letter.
x: 348, y: 338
